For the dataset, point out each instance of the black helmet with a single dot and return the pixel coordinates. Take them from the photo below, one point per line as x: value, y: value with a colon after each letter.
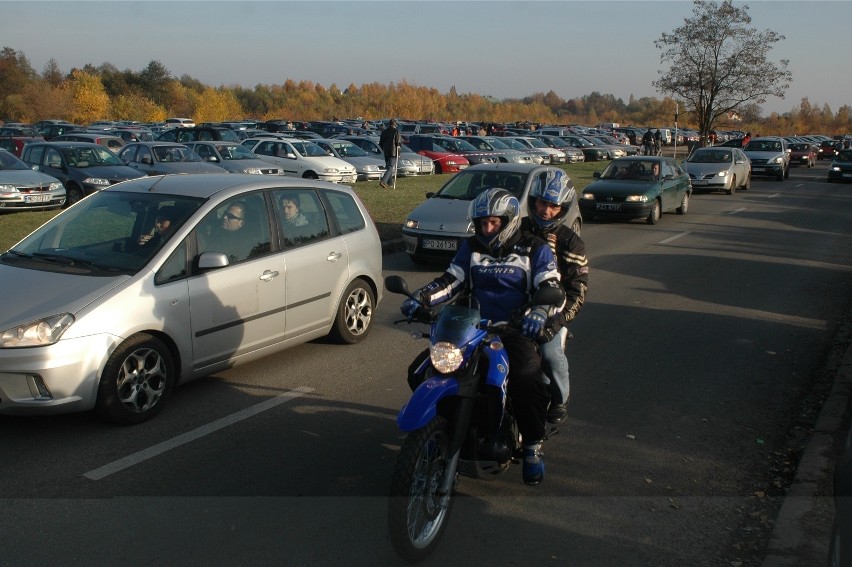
x: 556, y: 188
x: 496, y: 203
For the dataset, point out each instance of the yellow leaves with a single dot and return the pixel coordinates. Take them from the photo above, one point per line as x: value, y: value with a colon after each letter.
x: 90, y: 101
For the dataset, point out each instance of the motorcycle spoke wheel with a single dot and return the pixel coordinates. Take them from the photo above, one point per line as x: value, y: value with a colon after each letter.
x: 416, y: 518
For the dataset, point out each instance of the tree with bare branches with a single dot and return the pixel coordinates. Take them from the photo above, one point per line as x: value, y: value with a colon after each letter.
x: 717, y: 62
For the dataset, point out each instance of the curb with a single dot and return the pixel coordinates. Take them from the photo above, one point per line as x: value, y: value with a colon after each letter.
x: 788, y: 545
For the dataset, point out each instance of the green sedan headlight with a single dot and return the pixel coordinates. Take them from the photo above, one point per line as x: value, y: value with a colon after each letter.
x: 446, y: 357
x: 636, y: 198
x: 590, y: 196
x: 43, y: 332
x: 411, y: 223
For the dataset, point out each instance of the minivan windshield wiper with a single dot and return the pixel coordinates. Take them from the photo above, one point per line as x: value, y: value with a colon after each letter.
x: 20, y: 254
x: 66, y: 260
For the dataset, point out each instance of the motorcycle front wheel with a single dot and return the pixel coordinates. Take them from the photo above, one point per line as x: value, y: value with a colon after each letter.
x: 416, y: 521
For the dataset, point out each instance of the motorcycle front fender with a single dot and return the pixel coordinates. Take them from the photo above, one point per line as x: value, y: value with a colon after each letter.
x: 422, y: 406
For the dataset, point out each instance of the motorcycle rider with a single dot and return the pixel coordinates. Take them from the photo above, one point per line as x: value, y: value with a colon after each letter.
x: 547, y: 208
x: 501, y: 267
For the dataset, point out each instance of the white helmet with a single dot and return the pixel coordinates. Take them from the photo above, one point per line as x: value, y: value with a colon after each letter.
x: 496, y: 203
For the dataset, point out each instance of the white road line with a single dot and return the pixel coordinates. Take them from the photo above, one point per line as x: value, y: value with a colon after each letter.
x: 197, y: 433
x: 774, y: 195
x: 675, y: 237
x: 735, y: 211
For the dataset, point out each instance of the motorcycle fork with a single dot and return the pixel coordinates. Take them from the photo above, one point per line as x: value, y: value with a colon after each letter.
x: 463, y: 414
x: 461, y: 424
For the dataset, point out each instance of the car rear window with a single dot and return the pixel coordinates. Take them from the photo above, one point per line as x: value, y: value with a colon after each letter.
x: 346, y: 211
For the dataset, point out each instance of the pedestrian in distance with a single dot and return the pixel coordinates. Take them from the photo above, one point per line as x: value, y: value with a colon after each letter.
x: 390, y: 142
x: 647, y: 142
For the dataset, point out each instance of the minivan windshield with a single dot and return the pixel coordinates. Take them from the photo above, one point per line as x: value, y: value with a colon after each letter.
x: 107, y: 233
x: 88, y: 156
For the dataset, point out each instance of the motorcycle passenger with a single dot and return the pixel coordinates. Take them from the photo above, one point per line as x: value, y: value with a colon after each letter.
x: 547, y: 208
x: 501, y: 267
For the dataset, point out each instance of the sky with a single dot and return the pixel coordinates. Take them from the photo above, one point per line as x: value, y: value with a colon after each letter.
x: 499, y: 48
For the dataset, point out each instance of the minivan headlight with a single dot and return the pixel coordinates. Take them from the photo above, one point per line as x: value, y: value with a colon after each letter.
x: 42, y: 332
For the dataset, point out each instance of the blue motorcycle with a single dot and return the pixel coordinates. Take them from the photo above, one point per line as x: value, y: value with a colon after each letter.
x: 459, y: 418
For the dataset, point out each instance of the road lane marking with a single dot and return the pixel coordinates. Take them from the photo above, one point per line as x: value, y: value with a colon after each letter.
x: 735, y: 211
x: 774, y: 195
x: 189, y: 436
x: 675, y: 237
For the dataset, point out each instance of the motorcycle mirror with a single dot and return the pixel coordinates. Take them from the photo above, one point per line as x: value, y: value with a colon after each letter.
x: 396, y: 284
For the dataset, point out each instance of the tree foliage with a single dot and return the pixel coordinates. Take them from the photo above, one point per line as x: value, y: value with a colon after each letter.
x: 717, y: 62
x: 150, y: 95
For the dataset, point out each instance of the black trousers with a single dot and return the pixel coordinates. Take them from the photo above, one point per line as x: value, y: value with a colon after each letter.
x: 530, y: 395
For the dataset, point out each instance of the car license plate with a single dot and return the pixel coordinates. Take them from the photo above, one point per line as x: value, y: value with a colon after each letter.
x: 36, y: 198
x: 847, y: 175
x: 699, y: 182
x: 753, y: 168
x: 435, y: 244
x: 607, y: 207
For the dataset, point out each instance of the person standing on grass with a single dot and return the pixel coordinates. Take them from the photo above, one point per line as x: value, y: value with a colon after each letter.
x: 390, y: 143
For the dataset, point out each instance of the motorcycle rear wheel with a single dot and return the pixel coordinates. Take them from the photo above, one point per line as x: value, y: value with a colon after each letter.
x: 416, y: 522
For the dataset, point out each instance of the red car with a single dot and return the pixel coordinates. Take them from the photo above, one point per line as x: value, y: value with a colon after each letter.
x: 15, y: 144
x: 828, y: 149
x: 446, y: 162
x: 803, y: 154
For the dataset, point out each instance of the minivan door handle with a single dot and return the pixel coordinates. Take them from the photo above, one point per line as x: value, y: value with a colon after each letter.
x: 268, y: 275
x: 333, y: 256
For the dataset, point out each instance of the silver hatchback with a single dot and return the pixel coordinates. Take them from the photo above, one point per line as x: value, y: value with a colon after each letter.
x: 161, y: 280
x: 434, y: 229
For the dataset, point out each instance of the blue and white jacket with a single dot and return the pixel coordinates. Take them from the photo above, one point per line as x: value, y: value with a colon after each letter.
x: 503, y: 282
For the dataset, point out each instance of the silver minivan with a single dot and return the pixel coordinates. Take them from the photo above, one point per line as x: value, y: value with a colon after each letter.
x: 160, y: 280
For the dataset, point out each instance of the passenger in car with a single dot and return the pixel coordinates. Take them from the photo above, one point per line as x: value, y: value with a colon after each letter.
x: 229, y: 236
x: 162, y: 227
x: 292, y: 214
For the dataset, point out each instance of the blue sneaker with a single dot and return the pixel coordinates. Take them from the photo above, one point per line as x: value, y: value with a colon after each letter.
x: 533, y: 464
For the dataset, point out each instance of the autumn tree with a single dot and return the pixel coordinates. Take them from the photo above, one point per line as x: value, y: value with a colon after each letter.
x: 15, y: 73
x: 90, y: 100
x: 155, y: 81
x: 718, y: 62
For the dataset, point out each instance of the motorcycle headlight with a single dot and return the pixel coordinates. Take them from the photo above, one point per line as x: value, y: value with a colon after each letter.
x: 446, y: 357
x: 36, y: 333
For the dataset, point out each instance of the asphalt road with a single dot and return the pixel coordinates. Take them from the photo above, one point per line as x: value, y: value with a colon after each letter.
x: 699, y: 339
